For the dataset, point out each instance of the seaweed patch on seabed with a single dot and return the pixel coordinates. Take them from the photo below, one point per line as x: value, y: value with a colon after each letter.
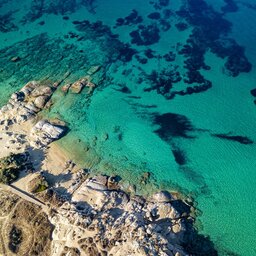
x: 58, y: 7
x: 132, y: 19
x: 236, y: 138
x: 103, y: 36
x: 6, y: 23
x: 210, y: 30
x: 196, y: 178
x: 40, y: 57
x: 179, y: 156
x: 173, y: 126
x: 230, y: 6
x: 3, y: 2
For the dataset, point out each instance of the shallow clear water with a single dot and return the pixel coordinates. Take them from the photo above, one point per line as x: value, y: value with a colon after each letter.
x: 131, y: 123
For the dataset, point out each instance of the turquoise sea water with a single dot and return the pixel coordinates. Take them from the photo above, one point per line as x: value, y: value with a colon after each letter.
x: 137, y: 120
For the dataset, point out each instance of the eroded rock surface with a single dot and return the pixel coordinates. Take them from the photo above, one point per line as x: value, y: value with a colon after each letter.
x: 26, y: 103
x: 98, y: 220
x: 44, y: 132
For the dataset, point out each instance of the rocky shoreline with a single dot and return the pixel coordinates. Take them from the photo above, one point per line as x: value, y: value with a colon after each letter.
x: 69, y: 211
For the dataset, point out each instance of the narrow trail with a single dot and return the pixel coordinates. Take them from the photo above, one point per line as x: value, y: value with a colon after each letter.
x: 26, y: 196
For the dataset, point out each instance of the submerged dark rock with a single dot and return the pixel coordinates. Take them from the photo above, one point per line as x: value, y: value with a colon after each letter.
x: 141, y: 60
x: 172, y: 126
x: 163, y: 81
x: 154, y: 16
x: 230, y: 6
x: 179, y: 156
x: 124, y: 89
x: 6, y: 23
x: 40, y: 7
x: 170, y: 56
x: 149, y: 53
x: 181, y: 26
x: 132, y: 19
x: 210, y: 32
x: 145, y: 35
x: 109, y: 41
x: 253, y: 92
x: 241, y: 139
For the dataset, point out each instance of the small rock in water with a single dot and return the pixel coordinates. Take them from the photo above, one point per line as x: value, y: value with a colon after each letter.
x: 78, y: 86
x: 145, y: 177
x: 65, y: 88
x: 105, y: 136
x: 93, y: 70
x: 15, y: 59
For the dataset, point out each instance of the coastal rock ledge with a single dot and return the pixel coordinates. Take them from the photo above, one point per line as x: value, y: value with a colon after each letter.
x: 93, y: 218
x: 50, y: 206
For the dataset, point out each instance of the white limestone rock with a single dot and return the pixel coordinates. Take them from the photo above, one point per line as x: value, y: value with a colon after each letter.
x: 44, y: 132
x: 162, y: 197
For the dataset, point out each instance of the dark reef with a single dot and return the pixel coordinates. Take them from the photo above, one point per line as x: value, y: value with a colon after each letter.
x: 132, y: 19
x: 230, y: 6
x: 210, y: 30
x: 6, y: 23
x: 159, y: 4
x: 173, y: 126
x: 253, y: 92
x: 179, y: 156
x: 40, y: 7
x: 154, y: 16
x: 181, y: 26
x: 109, y: 41
x: 145, y: 35
x: 241, y: 139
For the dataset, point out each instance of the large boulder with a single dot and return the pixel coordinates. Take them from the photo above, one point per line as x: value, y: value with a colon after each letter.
x: 78, y: 86
x: 98, y: 182
x: 162, y: 197
x: 44, y: 132
x: 42, y: 90
x: 40, y: 101
x: 52, y: 130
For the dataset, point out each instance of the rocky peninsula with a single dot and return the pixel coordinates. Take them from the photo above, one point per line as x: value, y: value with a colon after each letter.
x: 51, y: 206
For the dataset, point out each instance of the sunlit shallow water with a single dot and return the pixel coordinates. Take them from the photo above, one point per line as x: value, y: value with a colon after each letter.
x: 127, y: 130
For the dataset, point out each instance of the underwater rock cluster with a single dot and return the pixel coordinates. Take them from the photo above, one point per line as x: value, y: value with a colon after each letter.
x: 210, y: 32
x: 40, y: 7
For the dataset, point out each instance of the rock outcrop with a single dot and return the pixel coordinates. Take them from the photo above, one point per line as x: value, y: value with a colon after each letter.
x: 105, y: 221
x: 44, y: 132
x: 26, y: 103
x: 76, y: 214
x: 78, y: 86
